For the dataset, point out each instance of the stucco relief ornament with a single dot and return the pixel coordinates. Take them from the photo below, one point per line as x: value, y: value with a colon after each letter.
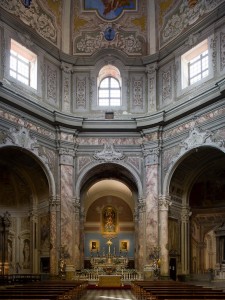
x: 21, y: 137
x: 108, y: 154
x: 195, y: 139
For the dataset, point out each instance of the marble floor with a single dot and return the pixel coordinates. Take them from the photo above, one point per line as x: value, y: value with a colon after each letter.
x: 108, y: 295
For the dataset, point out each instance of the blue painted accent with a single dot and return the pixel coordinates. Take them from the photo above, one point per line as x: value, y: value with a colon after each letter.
x: 97, y: 236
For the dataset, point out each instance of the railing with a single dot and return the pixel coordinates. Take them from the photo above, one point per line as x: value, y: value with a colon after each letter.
x: 92, y: 275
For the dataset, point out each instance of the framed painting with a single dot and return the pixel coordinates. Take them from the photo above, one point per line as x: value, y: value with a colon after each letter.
x: 94, y: 245
x: 124, y: 245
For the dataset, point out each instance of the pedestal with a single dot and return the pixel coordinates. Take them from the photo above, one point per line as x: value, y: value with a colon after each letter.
x: 148, y: 272
x: 70, y: 272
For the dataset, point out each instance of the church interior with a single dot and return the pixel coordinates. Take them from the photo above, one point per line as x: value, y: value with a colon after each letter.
x: 112, y: 139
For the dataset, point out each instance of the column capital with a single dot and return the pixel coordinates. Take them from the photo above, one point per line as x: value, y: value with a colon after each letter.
x: 54, y: 202
x: 6, y: 219
x: 164, y: 202
x: 185, y: 214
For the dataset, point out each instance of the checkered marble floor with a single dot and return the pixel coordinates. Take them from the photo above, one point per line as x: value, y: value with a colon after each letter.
x: 108, y: 295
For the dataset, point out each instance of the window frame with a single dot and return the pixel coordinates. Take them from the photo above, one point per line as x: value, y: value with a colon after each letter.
x: 110, y: 89
x: 23, y: 57
x: 185, y: 59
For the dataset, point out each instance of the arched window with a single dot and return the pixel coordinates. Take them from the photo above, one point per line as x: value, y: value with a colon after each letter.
x: 109, y: 86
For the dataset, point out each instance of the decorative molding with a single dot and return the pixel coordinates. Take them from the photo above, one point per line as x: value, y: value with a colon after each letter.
x: 151, y: 155
x: 34, y: 17
x: 21, y: 137
x: 185, y: 17
x: 108, y: 154
x: 67, y: 156
x: 128, y: 42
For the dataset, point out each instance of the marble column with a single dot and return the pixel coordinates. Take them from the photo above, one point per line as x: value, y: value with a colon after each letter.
x: 54, y: 205
x: 185, y: 240
x: 67, y: 205
x: 140, y: 222
x: 151, y: 176
x: 164, y: 204
x: 76, y: 228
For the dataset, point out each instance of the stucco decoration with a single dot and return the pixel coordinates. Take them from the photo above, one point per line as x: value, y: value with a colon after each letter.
x: 108, y: 154
x: 41, y: 21
x: 197, y: 138
x: 129, y: 34
x: 21, y: 137
x: 179, y: 20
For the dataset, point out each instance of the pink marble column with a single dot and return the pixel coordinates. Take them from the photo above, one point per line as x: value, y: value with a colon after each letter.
x: 151, y: 211
x: 185, y: 240
x: 164, y: 203
x: 140, y: 235
x: 77, y: 229
x: 54, y: 204
x: 67, y: 204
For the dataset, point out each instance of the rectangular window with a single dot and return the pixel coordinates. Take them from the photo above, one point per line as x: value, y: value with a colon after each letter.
x: 23, y: 64
x: 195, y: 64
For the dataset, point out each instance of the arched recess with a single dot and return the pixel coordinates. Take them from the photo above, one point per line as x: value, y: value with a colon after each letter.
x: 195, y: 214
x: 27, y: 186
x: 108, y: 184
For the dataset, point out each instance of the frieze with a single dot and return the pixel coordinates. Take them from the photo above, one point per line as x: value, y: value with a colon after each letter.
x: 89, y: 43
x: 114, y: 141
x: 198, y: 119
x: 34, y: 17
x: 108, y: 154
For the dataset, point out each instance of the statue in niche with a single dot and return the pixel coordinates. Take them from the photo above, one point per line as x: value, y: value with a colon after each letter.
x: 109, y: 220
x: 26, y: 254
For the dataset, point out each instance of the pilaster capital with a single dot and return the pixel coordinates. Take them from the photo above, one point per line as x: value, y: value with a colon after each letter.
x: 76, y: 205
x: 33, y: 215
x: 151, y: 155
x: 6, y: 219
x: 54, y: 203
x: 164, y: 202
x: 66, y: 156
x: 152, y: 68
x: 141, y: 205
x: 185, y: 214
x: 67, y: 68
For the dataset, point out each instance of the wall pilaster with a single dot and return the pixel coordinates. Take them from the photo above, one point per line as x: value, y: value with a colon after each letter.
x: 54, y: 204
x: 185, y: 239
x: 164, y: 204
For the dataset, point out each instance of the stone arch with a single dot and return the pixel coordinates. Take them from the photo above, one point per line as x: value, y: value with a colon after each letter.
x: 91, y: 166
x: 196, y: 140
x: 22, y: 140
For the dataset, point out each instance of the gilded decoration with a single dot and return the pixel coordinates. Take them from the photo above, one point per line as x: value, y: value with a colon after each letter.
x: 109, y: 221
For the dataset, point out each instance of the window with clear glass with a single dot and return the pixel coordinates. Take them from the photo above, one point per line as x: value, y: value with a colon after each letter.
x: 109, y: 86
x: 198, y: 67
x: 23, y: 64
x: 195, y: 64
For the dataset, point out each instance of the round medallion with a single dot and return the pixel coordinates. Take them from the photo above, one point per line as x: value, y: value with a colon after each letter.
x: 109, y: 34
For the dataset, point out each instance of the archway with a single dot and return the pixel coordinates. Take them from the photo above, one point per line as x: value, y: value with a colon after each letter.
x: 197, y: 190
x: 24, y: 200
x: 109, y: 186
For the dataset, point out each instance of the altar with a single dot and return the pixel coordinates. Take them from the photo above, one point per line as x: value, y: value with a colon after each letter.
x: 109, y: 281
